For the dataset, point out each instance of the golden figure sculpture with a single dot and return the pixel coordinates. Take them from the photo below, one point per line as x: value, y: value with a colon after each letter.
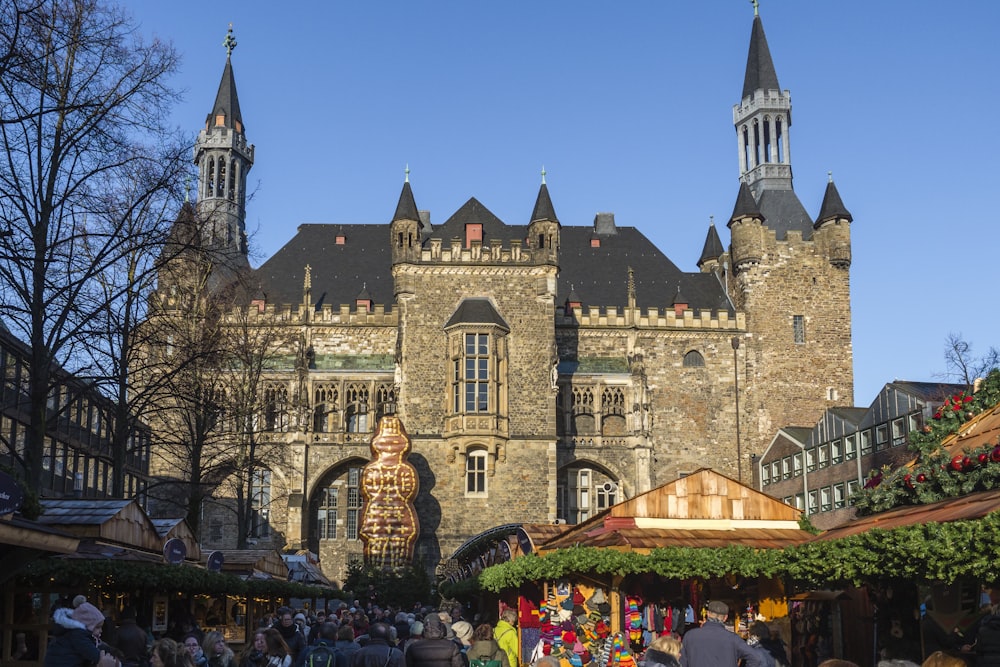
x: 389, y: 484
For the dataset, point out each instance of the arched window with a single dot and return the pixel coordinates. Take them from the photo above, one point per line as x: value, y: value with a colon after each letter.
x: 325, y: 397
x: 585, y: 491
x: 475, y: 473
x: 693, y: 359
x: 275, y: 406
x: 357, y: 408
x: 582, y: 405
x: 385, y: 400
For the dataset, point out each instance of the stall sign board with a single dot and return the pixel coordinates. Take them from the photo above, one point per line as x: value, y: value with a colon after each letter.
x: 11, y: 494
x: 175, y: 551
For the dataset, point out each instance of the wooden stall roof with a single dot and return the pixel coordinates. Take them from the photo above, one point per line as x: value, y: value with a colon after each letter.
x: 170, y: 528
x: 972, y: 506
x: 249, y: 562
x: 118, y: 521
x: 16, y: 531
x: 704, y: 509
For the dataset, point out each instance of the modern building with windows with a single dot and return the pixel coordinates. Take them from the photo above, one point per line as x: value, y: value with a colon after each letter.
x: 77, y: 461
x: 818, y: 469
x: 544, y: 368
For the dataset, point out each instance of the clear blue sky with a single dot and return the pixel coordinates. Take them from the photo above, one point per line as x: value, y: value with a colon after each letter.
x: 628, y: 105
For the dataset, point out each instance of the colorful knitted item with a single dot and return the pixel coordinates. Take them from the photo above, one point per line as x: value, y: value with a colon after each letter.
x: 633, y: 619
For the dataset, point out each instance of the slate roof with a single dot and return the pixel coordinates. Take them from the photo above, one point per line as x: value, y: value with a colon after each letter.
x: 712, y: 249
x: 227, y: 102
x: 760, y: 74
x: 339, y: 272
x: 783, y: 212
x: 476, y: 310
x: 832, y: 207
x: 599, y: 275
x: 799, y: 433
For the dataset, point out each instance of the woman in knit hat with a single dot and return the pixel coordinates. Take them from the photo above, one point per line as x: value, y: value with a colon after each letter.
x: 463, y: 634
x: 77, y: 634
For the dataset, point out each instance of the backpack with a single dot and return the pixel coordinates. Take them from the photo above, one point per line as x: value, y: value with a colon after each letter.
x: 321, y: 656
x: 480, y: 662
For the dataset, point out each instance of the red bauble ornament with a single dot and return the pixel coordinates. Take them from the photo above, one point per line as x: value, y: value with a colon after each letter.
x: 956, y: 463
x: 907, y: 481
x: 983, y: 458
x: 967, y: 463
x: 921, y: 478
x: 995, y: 454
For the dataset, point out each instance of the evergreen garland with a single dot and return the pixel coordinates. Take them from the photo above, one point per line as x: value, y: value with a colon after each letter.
x: 932, y: 552
x: 935, y: 475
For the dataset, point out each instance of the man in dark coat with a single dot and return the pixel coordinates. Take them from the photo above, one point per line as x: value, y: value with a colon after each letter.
x: 713, y: 644
x: 131, y: 640
x: 434, y: 650
x: 290, y: 632
x: 325, y: 645
x: 378, y: 652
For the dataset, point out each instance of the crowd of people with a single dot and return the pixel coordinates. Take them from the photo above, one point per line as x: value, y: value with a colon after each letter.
x: 373, y: 637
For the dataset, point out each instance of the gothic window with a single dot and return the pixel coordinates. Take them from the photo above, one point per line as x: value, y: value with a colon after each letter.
x: 326, y: 517
x: 357, y: 408
x: 353, y: 502
x: 756, y: 143
x: 767, y: 139
x: 613, y: 411
x: 325, y: 398
x: 778, y: 139
x: 471, y: 378
x: 799, y: 328
x: 475, y: 473
x: 220, y: 187
x: 582, y: 403
x: 693, y: 359
x: 260, y: 503
x: 231, y: 190
x: 275, y: 406
x: 385, y: 400
x: 210, y: 181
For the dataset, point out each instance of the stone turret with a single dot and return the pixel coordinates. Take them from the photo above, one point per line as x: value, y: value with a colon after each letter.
x: 746, y: 227
x: 405, y: 228
x: 833, y: 228
x: 543, y: 228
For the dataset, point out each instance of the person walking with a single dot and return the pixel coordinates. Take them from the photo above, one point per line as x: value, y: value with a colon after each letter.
x: 506, y: 635
x: 434, y: 650
x: 216, y: 651
x: 132, y: 640
x: 713, y: 645
x: 253, y: 654
x: 276, y: 651
x: 485, y: 649
x: 322, y: 652
x: 292, y: 636
x: 379, y: 652
x: 664, y: 651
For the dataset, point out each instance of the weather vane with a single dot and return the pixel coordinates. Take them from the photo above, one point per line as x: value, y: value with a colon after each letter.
x: 543, y: 174
x: 229, y: 42
x: 755, y: 7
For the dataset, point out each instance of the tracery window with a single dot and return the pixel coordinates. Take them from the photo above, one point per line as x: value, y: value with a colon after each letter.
x: 582, y: 407
x: 357, y: 408
x: 260, y: 503
x: 325, y: 399
x: 276, y: 406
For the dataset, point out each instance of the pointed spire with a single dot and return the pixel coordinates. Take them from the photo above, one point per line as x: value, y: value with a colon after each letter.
x: 227, y: 102
x: 746, y: 205
x: 713, y: 246
x: 680, y: 299
x: 833, y: 207
x: 543, y: 204
x: 406, y: 209
x: 760, y: 73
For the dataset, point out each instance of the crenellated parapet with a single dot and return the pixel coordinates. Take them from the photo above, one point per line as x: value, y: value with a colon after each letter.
x: 494, y: 252
x: 653, y: 318
x: 345, y: 315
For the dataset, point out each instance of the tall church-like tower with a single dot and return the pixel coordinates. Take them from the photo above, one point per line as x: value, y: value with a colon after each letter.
x: 224, y: 158
x: 790, y: 275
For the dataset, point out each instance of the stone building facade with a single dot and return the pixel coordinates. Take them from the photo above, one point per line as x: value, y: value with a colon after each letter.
x: 543, y: 371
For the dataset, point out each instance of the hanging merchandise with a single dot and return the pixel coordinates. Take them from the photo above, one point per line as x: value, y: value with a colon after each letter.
x: 633, y: 619
x: 620, y: 654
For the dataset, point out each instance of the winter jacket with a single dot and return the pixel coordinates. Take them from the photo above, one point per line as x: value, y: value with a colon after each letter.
x: 132, y: 641
x: 654, y: 658
x: 74, y: 645
x: 293, y: 637
x: 506, y: 636
x: 987, y: 642
x: 378, y: 653
x: 713, y: 645
x: 434, y: 653
x: 487, y: 649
